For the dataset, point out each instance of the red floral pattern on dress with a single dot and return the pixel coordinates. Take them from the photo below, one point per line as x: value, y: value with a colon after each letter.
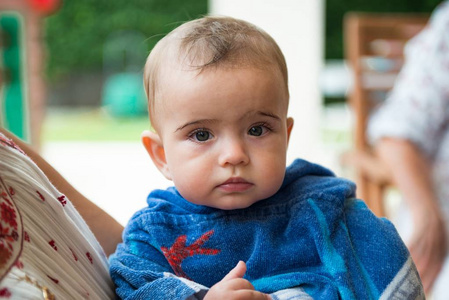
x: 26, y: 237
x: 8, y: 215
x: 7, y: 238
x: 19, y: 264
x: 5, y: 197
x: 10, y: 230
x: 5, y: 141
x: 62, y: 200
x: 14, y: 235
x: 74, y: 255
x: 89, y: 257
x: 5, y: 252
x: 40, y: 196
x: 52, y: 243
x: 5, y: 293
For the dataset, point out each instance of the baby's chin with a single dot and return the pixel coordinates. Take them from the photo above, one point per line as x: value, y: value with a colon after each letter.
x: 234, y: 205
x: 232, y: 201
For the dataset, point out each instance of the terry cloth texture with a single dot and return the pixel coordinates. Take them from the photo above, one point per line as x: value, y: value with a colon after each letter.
x: 311, y: 239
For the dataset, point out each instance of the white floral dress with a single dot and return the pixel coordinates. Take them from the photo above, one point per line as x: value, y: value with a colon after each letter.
x: 417, y: 109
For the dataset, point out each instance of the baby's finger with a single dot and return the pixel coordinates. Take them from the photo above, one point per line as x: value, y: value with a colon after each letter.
x: 237, y: 284
x: 238, y: 272
x: 251, y: 295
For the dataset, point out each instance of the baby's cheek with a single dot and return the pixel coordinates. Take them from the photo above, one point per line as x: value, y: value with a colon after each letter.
x: 273, y: 182
x: 191, y: 187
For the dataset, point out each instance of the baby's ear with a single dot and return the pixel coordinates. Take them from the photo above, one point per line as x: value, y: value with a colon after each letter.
x: 289, y: 128
x: 152, y: 142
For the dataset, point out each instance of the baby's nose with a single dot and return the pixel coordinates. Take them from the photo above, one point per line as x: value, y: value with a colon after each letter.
x: 233, y: 152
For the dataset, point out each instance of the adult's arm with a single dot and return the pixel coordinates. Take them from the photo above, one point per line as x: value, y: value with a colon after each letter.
x: 105, y: 228
x: 411, y: 173
x: 408, y: 130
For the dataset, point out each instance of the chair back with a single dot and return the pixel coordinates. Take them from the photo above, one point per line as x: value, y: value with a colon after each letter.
x: 374, y: 45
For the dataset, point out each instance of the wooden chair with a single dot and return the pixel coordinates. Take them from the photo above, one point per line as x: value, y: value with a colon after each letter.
x: 374, y: 50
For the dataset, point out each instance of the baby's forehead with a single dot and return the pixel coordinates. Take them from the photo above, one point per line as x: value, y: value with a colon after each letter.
x: 193, y: 83
x: 173, y: 71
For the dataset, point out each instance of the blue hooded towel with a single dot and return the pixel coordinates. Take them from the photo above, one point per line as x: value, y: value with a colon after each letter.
x: 312, y: 239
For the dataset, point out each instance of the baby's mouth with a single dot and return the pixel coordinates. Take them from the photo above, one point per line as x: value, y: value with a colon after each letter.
x: 235, y: 185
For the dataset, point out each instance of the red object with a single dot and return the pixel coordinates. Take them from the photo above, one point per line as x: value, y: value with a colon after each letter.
x: 45, y: 7
x: 89, y: 257
x: 179, y: 251
x: 52, y: 243
x: 5, y: 293
x: 62, y: 200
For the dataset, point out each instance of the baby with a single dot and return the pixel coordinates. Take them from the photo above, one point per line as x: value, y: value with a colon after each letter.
x: 238, y: 224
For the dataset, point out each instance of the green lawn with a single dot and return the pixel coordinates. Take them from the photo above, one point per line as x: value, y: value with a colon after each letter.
x: 98, y: 125
x: 91, y: 125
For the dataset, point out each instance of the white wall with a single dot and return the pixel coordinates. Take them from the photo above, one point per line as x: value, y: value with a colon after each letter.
x: 297, y: 26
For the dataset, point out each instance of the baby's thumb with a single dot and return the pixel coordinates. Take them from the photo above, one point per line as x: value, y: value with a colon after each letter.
x: 238, y: 271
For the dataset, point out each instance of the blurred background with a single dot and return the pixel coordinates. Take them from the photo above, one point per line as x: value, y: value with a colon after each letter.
x: 71, y: 81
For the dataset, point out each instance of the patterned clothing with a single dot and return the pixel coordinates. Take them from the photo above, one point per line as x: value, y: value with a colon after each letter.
x: 418, y: 110
x: 312, y: 239
x: 418, y: 107
x: 46, y: 248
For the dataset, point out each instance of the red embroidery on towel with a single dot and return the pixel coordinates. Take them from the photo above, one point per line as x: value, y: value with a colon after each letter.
x: 62, y: 200
x: 52, y: 243
x: 5, y: 293
x: 89, y: 257
x: 179, y: 251
x: 11, y: 191
x: 40, y: 196
x: 53, y: 279
x: 74, y: 255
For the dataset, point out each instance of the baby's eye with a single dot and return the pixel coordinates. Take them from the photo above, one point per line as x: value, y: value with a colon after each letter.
x: 257, y: 130
x: 201, y: 135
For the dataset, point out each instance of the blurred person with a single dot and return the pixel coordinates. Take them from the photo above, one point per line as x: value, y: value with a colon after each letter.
x: 410, y: 133
x: 238, y: 223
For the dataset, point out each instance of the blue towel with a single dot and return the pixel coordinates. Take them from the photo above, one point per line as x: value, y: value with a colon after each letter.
x: 311, y: 239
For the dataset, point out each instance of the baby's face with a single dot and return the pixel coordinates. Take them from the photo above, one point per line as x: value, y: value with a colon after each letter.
x: 225, y: 135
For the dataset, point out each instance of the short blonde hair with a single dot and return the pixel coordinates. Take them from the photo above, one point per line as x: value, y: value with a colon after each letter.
x: 212, y: 42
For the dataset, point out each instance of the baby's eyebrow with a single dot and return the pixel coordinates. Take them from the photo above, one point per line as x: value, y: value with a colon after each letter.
x: 262, y: 113
x: 196, y: 122
x: 267, y: 114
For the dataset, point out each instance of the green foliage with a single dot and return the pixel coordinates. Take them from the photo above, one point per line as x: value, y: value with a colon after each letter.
x: 336, y: 9
x: 76, y: 34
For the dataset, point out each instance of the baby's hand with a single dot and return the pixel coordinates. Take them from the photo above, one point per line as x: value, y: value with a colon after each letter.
x: 234, y: 287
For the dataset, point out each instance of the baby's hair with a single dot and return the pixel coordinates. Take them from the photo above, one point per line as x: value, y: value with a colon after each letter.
x: 212, y: 42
